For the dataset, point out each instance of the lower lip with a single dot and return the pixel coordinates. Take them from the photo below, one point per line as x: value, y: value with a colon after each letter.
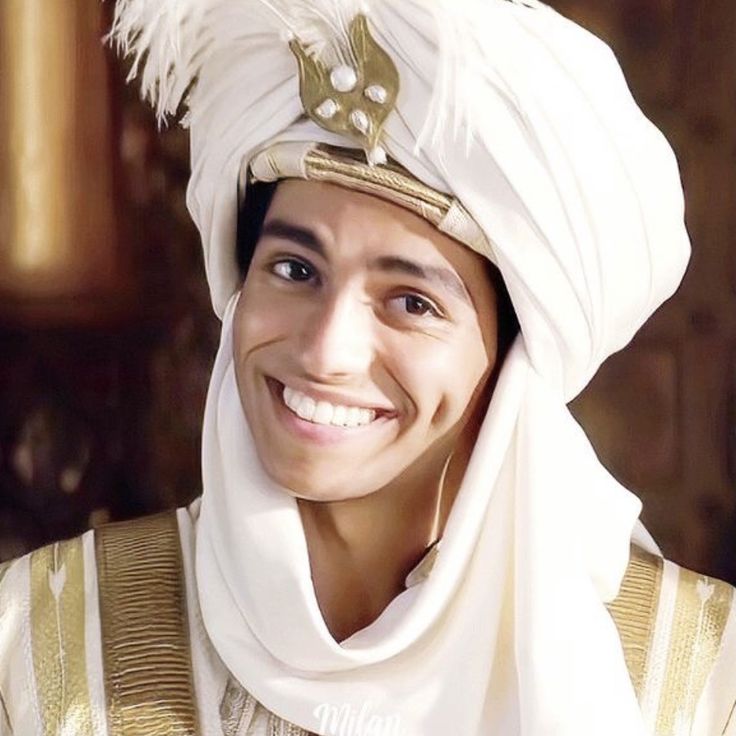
x: 320, y: 434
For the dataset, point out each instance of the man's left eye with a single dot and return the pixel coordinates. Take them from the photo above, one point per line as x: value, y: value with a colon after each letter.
x: 292, y: 270
x: 417, y: 306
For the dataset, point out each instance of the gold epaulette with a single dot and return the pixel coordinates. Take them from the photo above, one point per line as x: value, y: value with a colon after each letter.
x: 59, y: 638
x: 671, y: 622
x: 145, y: 629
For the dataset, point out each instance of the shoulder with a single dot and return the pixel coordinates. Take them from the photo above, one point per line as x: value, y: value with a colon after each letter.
x: 14, y: 605
x: 678, y: 631
x: 43, y: 601
x: 94, y: 596
x: 48, y: 575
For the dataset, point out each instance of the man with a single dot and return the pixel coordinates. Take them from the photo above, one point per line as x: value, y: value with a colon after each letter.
x: 402, y: 529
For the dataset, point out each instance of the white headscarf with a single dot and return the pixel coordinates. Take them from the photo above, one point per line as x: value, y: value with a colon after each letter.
x: 527, y: 120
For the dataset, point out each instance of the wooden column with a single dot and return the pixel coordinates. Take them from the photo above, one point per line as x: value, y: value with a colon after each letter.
x: 59, y: 255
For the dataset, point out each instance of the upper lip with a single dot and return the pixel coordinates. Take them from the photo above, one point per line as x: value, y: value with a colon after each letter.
x: 337, y: 399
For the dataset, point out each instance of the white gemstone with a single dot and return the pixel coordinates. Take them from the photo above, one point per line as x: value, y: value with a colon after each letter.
x: 377, y: 155
x: 343, y: 78
x: 376, y: 93
x: 327, y: 109
x: 361, y: 121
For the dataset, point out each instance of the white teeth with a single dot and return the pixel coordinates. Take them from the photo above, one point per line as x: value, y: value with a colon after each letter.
x: 305, y: 408
x: 366, y: 416
x: 322, y: 412
x: 339, y: 416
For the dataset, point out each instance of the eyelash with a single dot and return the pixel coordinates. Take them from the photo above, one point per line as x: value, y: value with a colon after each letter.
x: 433, y: 311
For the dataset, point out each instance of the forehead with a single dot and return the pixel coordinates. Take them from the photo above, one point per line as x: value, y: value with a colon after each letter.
x: 357, y: 226
x: 338, y: 209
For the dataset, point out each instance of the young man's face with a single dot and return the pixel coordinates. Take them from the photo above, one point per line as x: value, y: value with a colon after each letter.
x: 351, y: 301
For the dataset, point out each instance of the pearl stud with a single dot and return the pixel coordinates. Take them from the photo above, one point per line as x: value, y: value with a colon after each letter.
x: 376, y: 93
x: 360, y: 121
x: 376, y: 156
x: 327, y: 109
x: 343, y: 78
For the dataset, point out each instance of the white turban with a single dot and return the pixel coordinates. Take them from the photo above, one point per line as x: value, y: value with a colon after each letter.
x: 527, y: 120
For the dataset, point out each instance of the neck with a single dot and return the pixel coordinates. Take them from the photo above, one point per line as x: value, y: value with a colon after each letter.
x: 362, y: 549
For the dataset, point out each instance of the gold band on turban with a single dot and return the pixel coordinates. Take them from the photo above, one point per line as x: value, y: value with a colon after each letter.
x: 391, y: 182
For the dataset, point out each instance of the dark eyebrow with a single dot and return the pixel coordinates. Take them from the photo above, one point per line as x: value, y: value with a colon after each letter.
x: 434, y: 274
x: 303, y: 236
x: 438, y: 275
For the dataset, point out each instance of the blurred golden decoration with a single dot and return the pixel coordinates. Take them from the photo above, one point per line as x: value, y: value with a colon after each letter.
x: 58, y: 237
x: 98, y: 517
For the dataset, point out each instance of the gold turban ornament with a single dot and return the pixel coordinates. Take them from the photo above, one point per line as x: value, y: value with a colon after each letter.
x: 355, y: 97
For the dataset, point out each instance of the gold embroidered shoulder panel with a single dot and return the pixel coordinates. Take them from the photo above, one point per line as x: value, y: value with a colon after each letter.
x: 145, y: 629
x: 94, y: 636
x: 671, y: 622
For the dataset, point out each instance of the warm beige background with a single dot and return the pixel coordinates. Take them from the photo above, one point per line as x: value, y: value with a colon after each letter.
x: 103, y: 371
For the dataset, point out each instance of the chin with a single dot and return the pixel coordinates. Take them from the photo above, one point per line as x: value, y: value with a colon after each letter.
x: 316, y: 497
x: 316, y: 489
x: 320, y: 495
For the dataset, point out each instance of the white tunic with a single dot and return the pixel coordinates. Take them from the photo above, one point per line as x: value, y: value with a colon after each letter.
x: 52, y: 672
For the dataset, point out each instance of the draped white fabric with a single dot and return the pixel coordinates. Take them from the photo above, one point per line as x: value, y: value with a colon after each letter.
x: 532, y: 127
x: 507, y: 635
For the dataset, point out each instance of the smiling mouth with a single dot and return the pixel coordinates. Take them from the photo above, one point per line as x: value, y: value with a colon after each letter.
x: 322, y: 416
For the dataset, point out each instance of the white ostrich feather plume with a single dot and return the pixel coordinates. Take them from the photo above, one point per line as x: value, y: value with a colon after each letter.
x: 169, y: 40
x: 164, y: 38
x: 322, y: 26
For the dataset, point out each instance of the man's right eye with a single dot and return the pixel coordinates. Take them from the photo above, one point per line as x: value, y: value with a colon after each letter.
x: 291, y: 269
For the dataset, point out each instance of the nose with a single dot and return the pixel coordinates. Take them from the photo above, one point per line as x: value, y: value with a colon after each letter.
x: 337, y: 340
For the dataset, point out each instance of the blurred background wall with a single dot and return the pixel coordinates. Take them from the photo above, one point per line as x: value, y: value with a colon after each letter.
x: 107, y: 337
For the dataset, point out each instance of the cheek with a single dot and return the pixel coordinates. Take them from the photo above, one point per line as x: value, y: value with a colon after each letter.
x: 442, y: 378
x: 257, y: 321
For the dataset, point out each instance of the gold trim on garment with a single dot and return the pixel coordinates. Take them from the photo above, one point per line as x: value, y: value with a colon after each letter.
x: 145, y: 631
x: 692, y: 637
x: 58, y: 638
x: 634, y: 612
x: 279, y: 727
x: 701, y: 613
x: 237, y: 709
